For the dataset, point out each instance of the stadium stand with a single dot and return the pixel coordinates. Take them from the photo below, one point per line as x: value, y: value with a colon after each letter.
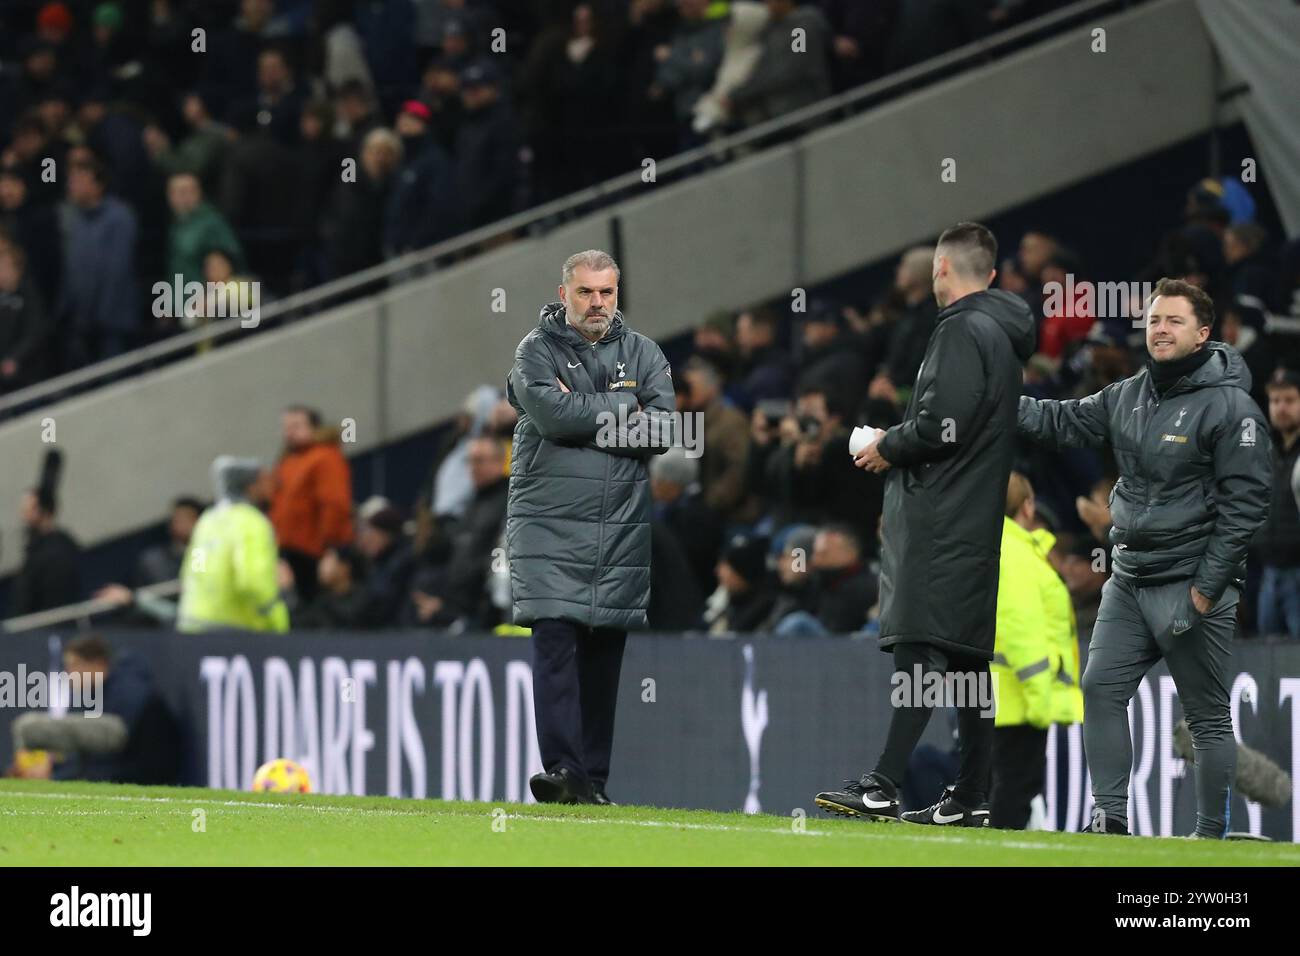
x: 227, y: 172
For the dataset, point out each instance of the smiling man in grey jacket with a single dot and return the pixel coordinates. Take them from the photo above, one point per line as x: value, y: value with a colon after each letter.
x: 578, y: 518
x: 1195, y: 475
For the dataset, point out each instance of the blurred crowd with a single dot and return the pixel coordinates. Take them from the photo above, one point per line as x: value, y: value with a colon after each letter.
x: 771, y: 528
x: 289, y: 142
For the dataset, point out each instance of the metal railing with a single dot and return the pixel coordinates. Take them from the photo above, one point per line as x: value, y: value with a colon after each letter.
x: 540, y: 219
x: 81, y: 612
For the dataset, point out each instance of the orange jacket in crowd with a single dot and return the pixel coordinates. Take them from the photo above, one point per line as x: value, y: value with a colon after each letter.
x: 312, y: 504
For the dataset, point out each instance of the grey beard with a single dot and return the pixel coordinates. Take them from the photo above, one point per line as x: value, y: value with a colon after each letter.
x: 597, y: 327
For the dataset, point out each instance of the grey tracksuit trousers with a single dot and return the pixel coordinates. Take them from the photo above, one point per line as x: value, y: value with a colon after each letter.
x: 1135, y: 628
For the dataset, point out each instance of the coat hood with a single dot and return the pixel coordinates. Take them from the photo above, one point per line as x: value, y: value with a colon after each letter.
x: 552, y: 322
x: 1225, y: 369
x: 231, y: 476
x: 1009, y: 311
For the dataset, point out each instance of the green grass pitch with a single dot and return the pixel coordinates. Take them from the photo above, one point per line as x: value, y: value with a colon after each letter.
x: 81, y: 824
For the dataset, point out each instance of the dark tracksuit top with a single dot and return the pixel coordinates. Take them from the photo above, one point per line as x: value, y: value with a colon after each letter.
x: 1195, y: 469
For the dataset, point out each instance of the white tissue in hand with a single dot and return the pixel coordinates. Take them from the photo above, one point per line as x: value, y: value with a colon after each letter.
x: 861, y: 438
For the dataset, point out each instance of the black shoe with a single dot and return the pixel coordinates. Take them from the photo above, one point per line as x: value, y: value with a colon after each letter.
x: 1104, y: 824
x: 948, y: 812
x: 563, y: 786
x: 600, y: 797
x: 871, y: 797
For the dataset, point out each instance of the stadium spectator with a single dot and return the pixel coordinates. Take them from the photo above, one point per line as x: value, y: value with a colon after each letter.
x: 340, y: 601
x: 687, y: 65
x: 763, y: 369
x: 111, y: 131
x: 231, y: 73
x: 1277, y: 544
x: 34, y: 227
x: 356, y: 115
x: 1106, y: 357
x: 440, y: 92
x: 227, y: 292
x: 487, y: 148
x: 743, y: 599
x: 725, y: 440
x: 381, y: 539
x: 354, y: 228
x: 676, y: 599
x: 846, y: 590
x: 715, y: 341
x: 99, y: 283
x: 342, y: 51
x: 230, y: 575
x: 472, y: 17
x: 1033, y: 254
x: 649, y: 127
x: 571, y: 76
x: 789, y: 74
x: 276, y: 107
x: 1063, y: 320
x: 1242, y: 327
x: 423, y: 208
x: 318, y: 158
x: 386, y: 31
x: 678, y: 507
x: 162, y: 562
x: 25, y: 326
x: 197, y: 229
x: 448, y: 487
x: 924, y: 29
x: 50, y: 575
x: 133, y: 737
x: 203, y: 149
x: 905, y: 335
x: 860, y: 33
x: 831, y: 358
x: 311, y: 508
x: 453, y: 594
x: 1252, y: 274
x: 111, y: 55
x: 811, y: 478
x: 794, y: 611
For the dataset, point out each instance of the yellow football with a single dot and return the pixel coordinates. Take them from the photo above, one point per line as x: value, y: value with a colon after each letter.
x: 281, y: 776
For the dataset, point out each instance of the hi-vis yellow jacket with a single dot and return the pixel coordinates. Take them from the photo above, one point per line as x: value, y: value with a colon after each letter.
x: 228, y: 576
x: 1036, y: 653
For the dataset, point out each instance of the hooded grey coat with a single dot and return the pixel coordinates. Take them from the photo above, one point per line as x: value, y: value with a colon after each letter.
x: 578, y: 517
x: 1195, y: 469
x: 946, y: 489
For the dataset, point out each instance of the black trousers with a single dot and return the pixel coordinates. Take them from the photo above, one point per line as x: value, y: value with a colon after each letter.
x: 303, y: 565
x: 908, y: 723
x: 1019, y: 773
x: 575, y: 690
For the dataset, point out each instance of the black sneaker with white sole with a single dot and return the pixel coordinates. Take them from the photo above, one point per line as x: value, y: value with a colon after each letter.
x: 870, y: 797
x: 949, y: 813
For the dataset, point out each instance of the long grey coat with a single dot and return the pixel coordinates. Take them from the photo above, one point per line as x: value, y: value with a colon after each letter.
x: 578, y: 518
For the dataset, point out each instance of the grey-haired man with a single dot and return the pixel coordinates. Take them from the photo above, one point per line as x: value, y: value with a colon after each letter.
x: 578, y: 517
